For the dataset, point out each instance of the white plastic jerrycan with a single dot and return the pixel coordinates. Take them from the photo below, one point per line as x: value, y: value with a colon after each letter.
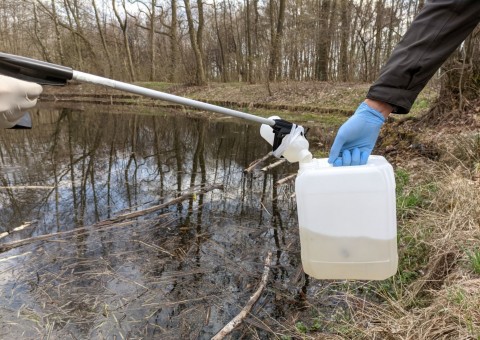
x: 347, y: 220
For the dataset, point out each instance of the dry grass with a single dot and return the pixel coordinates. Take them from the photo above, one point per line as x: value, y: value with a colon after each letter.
x: 436, y: 292
x: 444, y: 301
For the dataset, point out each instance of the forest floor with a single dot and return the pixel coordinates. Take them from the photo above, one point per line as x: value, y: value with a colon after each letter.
x: 293, y: 96
x: 436, y: 292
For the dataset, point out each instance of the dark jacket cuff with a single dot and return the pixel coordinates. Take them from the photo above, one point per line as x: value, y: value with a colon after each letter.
x: 401, y: 99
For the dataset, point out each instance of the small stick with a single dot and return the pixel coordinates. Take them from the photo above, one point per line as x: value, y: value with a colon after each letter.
x: 255, y: 163
x: 118, y: 221
x: 23, y: 226
x: 229, y: 327
x: 27, y: 187
x: 8, y: 246
x: 285, y: 179
x: 164, y: 205
x: 273, y: 165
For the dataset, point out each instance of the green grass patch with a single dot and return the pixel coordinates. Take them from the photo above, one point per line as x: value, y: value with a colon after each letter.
x: 424, y: 100
x: 322, y: 119
x: 474, y: 260
x: 320, y: 153
x: 457, y: 296
x: 410, y: 197
x: 301, y: 327
x: 413, y: 251
x: 339, y: 323
x: 413, y: 255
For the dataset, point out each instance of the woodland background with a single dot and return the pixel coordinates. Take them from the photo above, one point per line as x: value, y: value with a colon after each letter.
x: 204, y: 41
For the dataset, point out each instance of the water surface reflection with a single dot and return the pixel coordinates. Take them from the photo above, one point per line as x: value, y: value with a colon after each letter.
x: 181, y: 272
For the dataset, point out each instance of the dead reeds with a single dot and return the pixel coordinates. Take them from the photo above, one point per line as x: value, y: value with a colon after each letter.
x: 443, y: 302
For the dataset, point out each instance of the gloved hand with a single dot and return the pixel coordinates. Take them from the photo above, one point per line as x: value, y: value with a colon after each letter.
x: 16, y: 96
x: 356, y: 137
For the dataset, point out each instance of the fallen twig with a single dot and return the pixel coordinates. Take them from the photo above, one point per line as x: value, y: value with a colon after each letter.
x: 285, y: 179
x: 255, y: 163
x: 8, y: 246
x: 273, y: 165
x: 229, y: 327
x: 164, y: 205
x: 27, y: 187
x: 23, y: 226
x: 117, y: 221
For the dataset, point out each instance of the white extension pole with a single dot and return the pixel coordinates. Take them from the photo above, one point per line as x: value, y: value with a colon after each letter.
x: 92, y: 79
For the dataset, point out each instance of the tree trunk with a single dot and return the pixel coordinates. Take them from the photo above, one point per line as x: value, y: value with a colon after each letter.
x: 345, y: 22
x: 248, y: 32
x: 40, y: 39
x: 58, y: 37
x: 323, y: 42
x: 222, y: 67
x: 276, y: 44
x: 151, y: 36
x: 74, y: 10
x: 200, y: 78
x: 458, y: 99
x: 124, y: 26
x: 173, y: 44
x: 379, y: 11
x: 102, y: 38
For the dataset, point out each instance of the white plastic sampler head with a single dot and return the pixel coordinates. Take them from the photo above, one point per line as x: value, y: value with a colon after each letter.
x: 294, y: 146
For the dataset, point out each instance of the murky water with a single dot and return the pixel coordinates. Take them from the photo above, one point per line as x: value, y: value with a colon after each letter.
x: 177, y: 273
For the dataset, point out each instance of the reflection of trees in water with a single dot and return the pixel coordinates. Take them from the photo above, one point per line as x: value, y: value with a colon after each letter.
x: 83, y: 154
x: 101, y: 164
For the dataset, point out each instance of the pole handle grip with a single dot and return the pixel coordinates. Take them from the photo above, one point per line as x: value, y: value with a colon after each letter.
x: 40, y: 72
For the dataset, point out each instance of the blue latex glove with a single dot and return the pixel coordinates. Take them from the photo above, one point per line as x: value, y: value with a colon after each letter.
x: 356, y: 137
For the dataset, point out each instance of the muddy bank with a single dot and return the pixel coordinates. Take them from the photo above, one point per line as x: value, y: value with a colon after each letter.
x: 311, y: 97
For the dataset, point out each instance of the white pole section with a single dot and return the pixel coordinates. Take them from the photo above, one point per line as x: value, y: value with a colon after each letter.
x: 92, y: 79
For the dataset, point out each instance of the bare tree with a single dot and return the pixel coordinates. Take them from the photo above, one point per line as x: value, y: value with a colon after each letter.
x: 196, y: 38
x: 124, y: 27
x: 58, y: 36
x: 323, y: 40
x: 277, y: 35
x: 326, y: 40
x: 102, y: 37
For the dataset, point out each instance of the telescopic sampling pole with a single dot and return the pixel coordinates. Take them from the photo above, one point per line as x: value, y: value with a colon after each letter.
x: 51, y: 74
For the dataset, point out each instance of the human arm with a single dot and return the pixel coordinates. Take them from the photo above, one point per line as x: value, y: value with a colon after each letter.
x: 16, y: 96
x: 439, y: 28
x: 435, y: 33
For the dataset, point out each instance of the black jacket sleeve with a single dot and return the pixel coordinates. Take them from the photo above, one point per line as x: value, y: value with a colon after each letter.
x: 439, y: 28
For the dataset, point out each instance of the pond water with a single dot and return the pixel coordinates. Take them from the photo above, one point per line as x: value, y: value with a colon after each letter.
x: 182, y: 271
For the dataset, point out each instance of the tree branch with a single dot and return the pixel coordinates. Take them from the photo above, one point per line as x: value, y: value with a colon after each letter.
x: 117, y: 221
x: 236, y: 321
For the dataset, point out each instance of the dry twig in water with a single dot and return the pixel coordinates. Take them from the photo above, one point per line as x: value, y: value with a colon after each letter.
x: 274, y: 165
x: 27, y: 187
x: 116, y: 221
x: 229, y: 327
x: 255, y: 163
x: 286, y: 179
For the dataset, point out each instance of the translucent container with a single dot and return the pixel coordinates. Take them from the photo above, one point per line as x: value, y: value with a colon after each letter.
x: 347, y: 220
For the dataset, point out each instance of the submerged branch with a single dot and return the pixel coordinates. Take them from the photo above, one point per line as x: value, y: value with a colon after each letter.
x: 257, y: 162
x: 117, y: 221
x: 286, y: 179
x: 27, y: 187
x: 229, y: 327
x: 274, y: 165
